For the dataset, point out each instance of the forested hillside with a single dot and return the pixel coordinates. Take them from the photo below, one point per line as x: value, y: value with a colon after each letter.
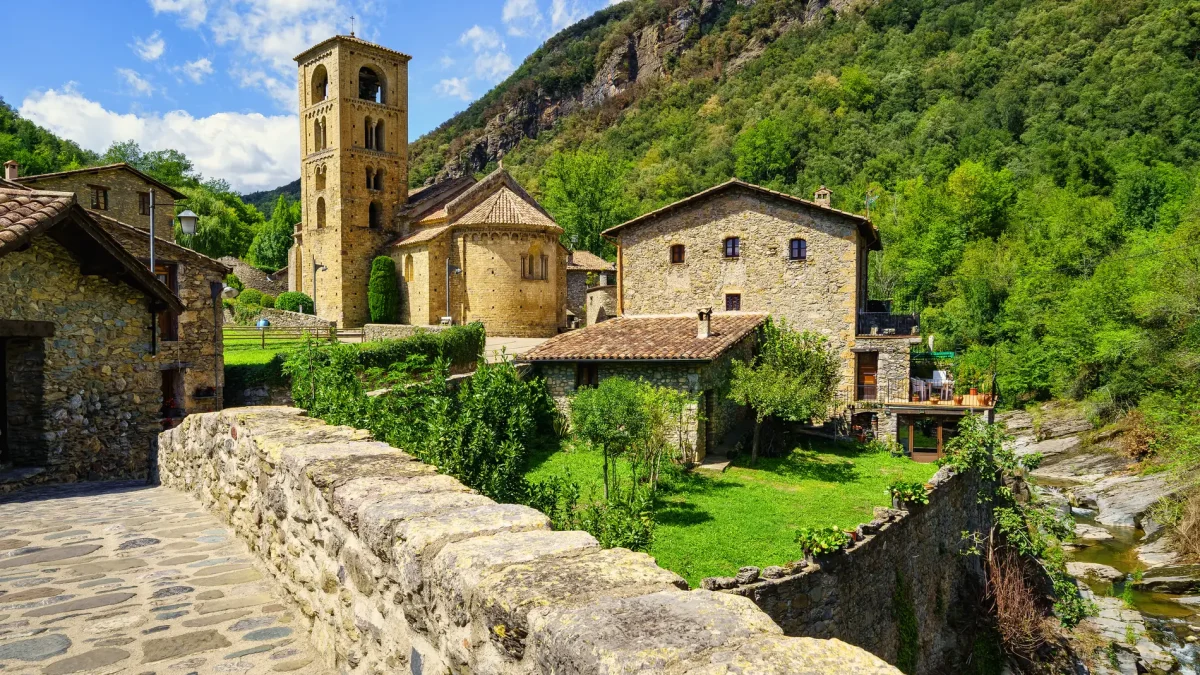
x: 1032, y: 164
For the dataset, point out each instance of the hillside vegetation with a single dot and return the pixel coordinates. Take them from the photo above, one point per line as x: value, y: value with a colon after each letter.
x: 1032, y: 165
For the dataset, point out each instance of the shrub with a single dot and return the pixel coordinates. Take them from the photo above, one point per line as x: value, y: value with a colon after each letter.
x: 232, y: 281
x: 909, y: 492
x: 294, y: 302
x: 245, y: 314
x: 821, y: 540
x: 242, y: 376
x: 268, y: 301
x: 383, y: 295
x: 459, y: 345
x: 250, y: 296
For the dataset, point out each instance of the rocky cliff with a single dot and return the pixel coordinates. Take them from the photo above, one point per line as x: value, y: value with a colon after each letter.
x: 606, y: 59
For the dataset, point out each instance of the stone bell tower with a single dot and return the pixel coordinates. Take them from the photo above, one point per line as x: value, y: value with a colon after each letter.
x: 353, y: 170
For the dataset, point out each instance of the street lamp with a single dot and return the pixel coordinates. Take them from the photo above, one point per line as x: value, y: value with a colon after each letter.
x: 187, y: 221
x: 316, y: 267
x: 229, y: 292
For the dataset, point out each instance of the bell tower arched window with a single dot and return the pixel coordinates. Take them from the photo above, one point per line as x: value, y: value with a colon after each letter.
x: 320, y: 212
x: 320, y: 85
x: 368, y: 133
x: 370, y: 85
x: 374, y: 215
x: 379, y: 144
x: 319, y: 178
x: 377, y: 182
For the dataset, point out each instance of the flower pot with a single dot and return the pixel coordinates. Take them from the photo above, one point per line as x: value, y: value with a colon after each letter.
x: 935, y: 399
x: 958, y: 399
x: 974, y: 391
x: 916, y: 398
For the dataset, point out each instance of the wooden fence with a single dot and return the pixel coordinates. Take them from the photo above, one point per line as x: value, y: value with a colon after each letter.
x: 250, y: 337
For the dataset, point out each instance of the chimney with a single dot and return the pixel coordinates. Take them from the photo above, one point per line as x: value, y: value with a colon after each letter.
x: 704, y: 325
x: 11, y: 170
x: 823, y: 197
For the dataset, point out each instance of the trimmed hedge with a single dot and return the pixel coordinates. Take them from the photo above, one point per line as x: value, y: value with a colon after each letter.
x: 460, y: 345
x: 383, y: 295
x: 250, y: 296
x: 294, y: 302
x: 268, y: 301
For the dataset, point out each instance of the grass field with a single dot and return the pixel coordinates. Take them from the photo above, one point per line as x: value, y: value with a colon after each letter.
x: 711, y: 524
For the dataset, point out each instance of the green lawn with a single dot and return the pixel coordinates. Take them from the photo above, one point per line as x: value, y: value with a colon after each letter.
x: 712, y: 524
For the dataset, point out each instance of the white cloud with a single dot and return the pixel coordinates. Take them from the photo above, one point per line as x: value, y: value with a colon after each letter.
x: 446, y: 61
x: 196, y: 70
x: 522, y: 17
x: 192, y: 12
x: 151, y: 48
x: 251, y: 151
x: 135, y: 83
x: 481, y: 38
x: 278, y: 88
x: 563, y: 14
x: 493, y: 66
x: 454, y: 87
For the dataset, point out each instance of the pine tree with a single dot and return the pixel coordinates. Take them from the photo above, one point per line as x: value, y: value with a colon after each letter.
x: 383, y: 295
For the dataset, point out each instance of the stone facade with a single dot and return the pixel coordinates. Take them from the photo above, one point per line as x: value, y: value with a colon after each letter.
x: 601, y: 304
x: 821, y: 293
x: 125, y: 187
x: 892, y: 377
x: 398, y: 569
x: 198, y: 352
x: 853, y: 594
x: 709, y: 417
x: 88, y: 397
x: 348, y: 171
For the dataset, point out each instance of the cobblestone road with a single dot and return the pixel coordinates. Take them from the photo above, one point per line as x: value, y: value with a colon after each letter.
x: 122, y: 578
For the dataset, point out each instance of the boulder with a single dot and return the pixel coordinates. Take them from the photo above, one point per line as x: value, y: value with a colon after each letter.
x: 1084, y: 570
x: 1157, y: 552
x: 1087, y: 534
x: 1123, y: 499
x: 1175, y: 579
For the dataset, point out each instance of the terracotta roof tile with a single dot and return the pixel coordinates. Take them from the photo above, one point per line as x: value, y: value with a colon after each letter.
x: 505, y: 207
x: 119, y: 166
x: 25, y: 212
x: 427, y: 234
x: 647, y: 338
x: 586, y: 260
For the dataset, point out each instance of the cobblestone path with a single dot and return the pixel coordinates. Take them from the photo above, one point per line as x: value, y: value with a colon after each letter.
x: 123, y: 578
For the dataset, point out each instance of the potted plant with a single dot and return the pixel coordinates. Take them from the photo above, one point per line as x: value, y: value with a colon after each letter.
x: 916, y: 398
x: 958, y: 399
x: 935, y: 398
x: 820, y: 544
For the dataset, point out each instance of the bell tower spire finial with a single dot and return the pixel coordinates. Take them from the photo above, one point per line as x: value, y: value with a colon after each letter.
x: 351, y: 25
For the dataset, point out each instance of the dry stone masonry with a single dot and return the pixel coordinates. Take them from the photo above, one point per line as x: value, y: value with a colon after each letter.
x: 903, y: 561
x: 397, y: 568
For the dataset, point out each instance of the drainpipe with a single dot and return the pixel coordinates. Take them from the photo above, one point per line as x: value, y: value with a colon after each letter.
x: 317, y: 267
x: 450, y: 269
x: 215, y: 288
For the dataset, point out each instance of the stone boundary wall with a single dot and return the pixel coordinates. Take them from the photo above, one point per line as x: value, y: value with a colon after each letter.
x: 396, y: 568
x: 373, y: 332
x: 283, y: 319
x: 852, y: 595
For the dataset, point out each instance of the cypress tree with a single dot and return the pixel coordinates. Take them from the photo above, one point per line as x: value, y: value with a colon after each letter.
x: 383, y: 296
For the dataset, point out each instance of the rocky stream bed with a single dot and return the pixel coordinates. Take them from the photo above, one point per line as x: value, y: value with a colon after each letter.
x: 1148, y: 600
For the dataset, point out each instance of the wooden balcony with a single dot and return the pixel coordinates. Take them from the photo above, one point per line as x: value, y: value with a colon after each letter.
x: 915, y: 393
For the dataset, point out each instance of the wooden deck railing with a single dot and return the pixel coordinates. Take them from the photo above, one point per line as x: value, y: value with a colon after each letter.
x: 886, y: 323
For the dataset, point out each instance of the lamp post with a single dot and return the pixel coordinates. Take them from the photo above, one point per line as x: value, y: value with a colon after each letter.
x: 316, y: 267
x: 450, y: 269
x: 187, y: 222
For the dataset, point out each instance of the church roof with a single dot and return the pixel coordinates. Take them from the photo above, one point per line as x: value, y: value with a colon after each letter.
x: 504, y: 207
x: 586, y: 260
x: 422, y: 235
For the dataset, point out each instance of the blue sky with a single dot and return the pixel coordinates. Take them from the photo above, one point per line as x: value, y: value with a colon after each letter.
x: 215, y: 78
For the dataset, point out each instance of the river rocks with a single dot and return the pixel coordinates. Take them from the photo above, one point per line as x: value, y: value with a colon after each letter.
x: 1177, y: 579
x: 1123, y: 499
x: 1088, y: 534
x: 35, y: 649
x: 1083, y: 570
x: 1157, y: 553
x: 1115, y: 623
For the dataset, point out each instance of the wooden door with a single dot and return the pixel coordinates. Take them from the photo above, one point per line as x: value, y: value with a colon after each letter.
x: 868, y: 372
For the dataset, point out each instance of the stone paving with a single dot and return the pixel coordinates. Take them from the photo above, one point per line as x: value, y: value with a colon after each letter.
x: 125, y: 578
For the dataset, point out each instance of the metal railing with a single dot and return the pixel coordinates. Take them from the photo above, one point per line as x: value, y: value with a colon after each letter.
x: 897, y: 391
x: 886, y: 323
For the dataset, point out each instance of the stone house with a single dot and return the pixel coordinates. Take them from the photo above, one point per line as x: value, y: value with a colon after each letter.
x: 464, y: 250
x: 692, y: 354
x: 118, y: 191
x: 581, y: 264
x: 743, y: 248
x: 81, y: 390
x: 191, y: 352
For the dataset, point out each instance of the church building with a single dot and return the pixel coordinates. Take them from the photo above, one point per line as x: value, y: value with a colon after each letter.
x: 465, y: 250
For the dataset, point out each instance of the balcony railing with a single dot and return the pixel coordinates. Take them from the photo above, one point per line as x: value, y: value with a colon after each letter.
x: 886, y: 323
x: 912, y: 391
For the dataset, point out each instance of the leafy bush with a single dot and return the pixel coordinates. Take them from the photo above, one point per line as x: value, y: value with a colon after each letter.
x: 909, y: 492
x: 293, y: 301
x: 821, y: 540
x: 245, y: 314
x: 232, y: 281
x: 242, y: 376
x: 268, y: 301
x: 458, y: 345
x: 383, y: 295
x: 250, y: 296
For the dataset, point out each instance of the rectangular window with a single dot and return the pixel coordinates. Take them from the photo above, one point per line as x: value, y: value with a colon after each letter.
x: 677, y: 254
x: 733, y: 247
x: 99, y: 197
x: 798, y: 249
x: 168, y: 321
x: 733, y: 302
x: 144, y: 203
x: 586, y: 375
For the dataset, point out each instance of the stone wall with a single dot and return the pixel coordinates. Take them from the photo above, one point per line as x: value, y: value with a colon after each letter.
x: 252, y: 277
x: 199, y: 351
x: 123, y: 190
x: 374, y: 332
x: 398, y: 569
x: 283, y: 319
x: 894, y: 369
x: 577, y: 291
x: 99, y: 382
x: 856, y: 595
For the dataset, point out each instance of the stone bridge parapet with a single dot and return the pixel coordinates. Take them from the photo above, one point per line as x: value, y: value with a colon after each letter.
x: 397, y: 568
